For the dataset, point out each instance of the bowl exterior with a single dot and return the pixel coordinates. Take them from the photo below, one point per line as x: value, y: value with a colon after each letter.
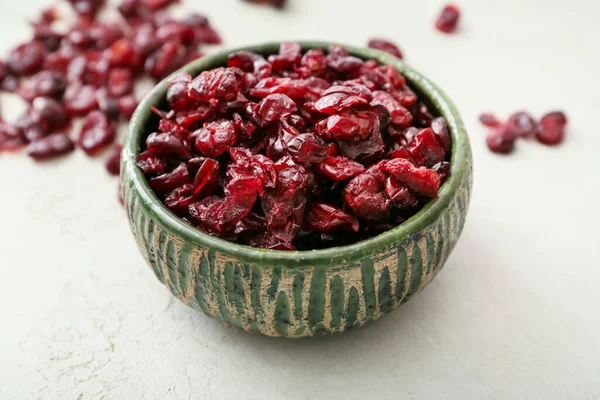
x: 292, y: 301
x: 295, y: 299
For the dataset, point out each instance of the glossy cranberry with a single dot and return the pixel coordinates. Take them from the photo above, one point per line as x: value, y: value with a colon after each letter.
x: 51, y: 112
x: 80, y: 100
x: 421, y: 181
x: 489, y: 120
x: 250, y: 62
x: 97, y: 133
x: 276, y: 106
x: 113, y: 161
x: 443, y: 169
x: 220, y: 83
x: 521, y: 124
x: 552, y: 130
x: 314, y: 61
x: 33, y: 125
x: 439, y: 126
x: 340, y: 168
x: 87, y: 8
x: 127, y: 106
x: 499, y: 141
x: 166, y: 144
x: 108, y: 104
x: 167, y: 182
x: 150, y: 164
x: 339, y: 60
x: 27, y: 59
x: 352, y: 126
x: 365, y: 196
x: 289, y: 55
x: 120, y: 82
x: 51, y: 146
x: 307, y: 148
x: 425, y: 148
x: 323, y: 217
x: 385, y: 45
x: 401, y: 117
x: 448, y: 19
x: 336, y: 102
x: 45, y: 83
x: 11, y: 137
x: 215, y: 138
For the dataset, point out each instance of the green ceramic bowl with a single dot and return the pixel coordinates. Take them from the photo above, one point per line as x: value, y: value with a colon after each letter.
x: 301, y: 293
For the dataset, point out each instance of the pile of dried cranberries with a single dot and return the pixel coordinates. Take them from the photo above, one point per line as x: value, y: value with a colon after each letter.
x: 89, y: 71
x: 296, y: 151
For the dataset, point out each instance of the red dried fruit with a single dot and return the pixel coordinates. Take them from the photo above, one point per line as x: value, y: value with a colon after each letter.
x: 521, y: 124
x: 352, y: 126
x: 250, y: 62
x: 51, y: 112
x: 97, y: 132
x: 215, y: 138
x: 500, y: 142
x: 314, y: 61
x: 448, y: 19
x: 425, y: 149
x: 51, y: 146
x: 421, y: 181
x: 365, y: 196
x: 339, y: 60
x: 385, y: 45
x: 220, y: 83
x: 336, y: 102
x: 80, y: 100
x: 489, y: 120
x: 120, y: 82
x: 307, y: 148
x: 323, y: 217
x: 108, y: 104
x: 113, y: 161
x: 44, y: 83
x: 401, y: 117
x: 340, y: 169
x: 27, y: 59
x: 150, y: 164
x: 169, y: 181
x: 11, y: 137
x: 439, y: 126
x: 167, y: 144
x: 552, y: 130
x: 127, y: 106
x: 289, y: 55
x: 276, y: 106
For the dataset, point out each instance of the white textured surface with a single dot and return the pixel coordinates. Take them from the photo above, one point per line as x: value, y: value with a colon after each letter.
x: 514, y: 315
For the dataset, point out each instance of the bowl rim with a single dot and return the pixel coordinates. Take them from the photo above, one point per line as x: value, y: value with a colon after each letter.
x: 460, y: 156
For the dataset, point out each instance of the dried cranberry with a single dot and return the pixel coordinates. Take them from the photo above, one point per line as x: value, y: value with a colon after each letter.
x: 51, y: 112
x: 150, y: 164
x: 307, y: 148
x: 552, y: 130
x: 425, y: 148
x: 11, y: 137
x: 276, y: 106
x: 385, y: 45
x: 167, y: 182
x: 168, y: 144
x: 120, y: 82
x: 80, y: 100
x: 490, y: 120
x: 521, y: 124
x: 45, y: 83
x: 50, y: 146
x: 439, y: 126
x: 340, y: 168
x: 448, y: 19
x: 220, y: 83
x: 500, y: 142
x: 127, y: 106
x: 336, y: 102
x: 401, y: 117
x: 322, y: 217
x: 97, y: 132
x: 108, y: 104
x: 421, y: 181
x: 113, y: 161
x: 215, y: 138
x: 365, y: 196
x: 27, y: 59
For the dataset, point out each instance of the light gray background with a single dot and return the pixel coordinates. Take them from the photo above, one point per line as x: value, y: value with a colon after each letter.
x: 514, y: 314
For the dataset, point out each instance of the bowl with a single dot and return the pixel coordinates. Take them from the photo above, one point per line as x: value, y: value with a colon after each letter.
x: 297, y: 293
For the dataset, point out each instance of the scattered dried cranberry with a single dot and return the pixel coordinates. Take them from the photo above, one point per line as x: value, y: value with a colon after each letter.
x: 385, y: 45
x: 550, y: 130
x: 50, y: 146
x: 448, y: 19
x: 97, y: 132
x: 295, y: 151
x: 113, y: 162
